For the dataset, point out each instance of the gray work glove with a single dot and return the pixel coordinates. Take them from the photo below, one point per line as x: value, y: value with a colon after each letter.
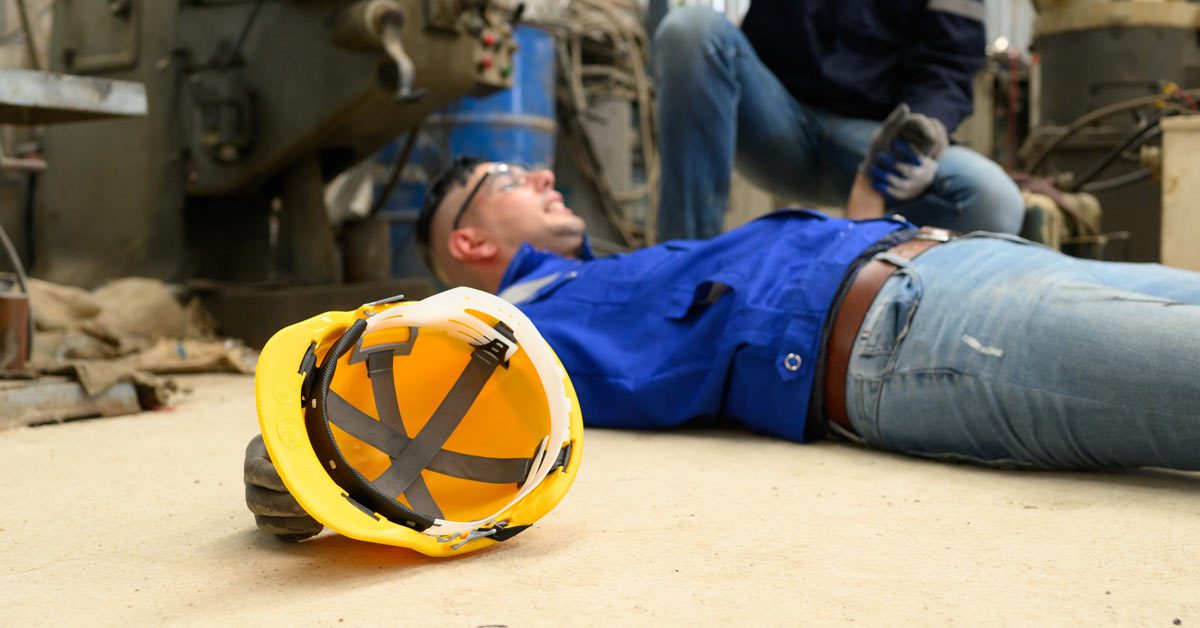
x: 274, y: 508
x: 902, y: 158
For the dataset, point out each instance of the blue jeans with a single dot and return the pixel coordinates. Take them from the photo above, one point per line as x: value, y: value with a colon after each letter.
x: 716, y: 100
x: 993, y: 349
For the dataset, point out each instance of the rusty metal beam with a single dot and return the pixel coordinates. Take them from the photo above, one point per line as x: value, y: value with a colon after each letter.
x: 33, y: 97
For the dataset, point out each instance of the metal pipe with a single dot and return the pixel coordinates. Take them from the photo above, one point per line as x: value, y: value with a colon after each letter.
x: 20, y: 164
x: 375, y: 24
x: 24, y: 282
x: 360, y: 26
x: 30, y: 42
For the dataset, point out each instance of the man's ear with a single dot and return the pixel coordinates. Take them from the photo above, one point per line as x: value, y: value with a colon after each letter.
x: 469, y: 244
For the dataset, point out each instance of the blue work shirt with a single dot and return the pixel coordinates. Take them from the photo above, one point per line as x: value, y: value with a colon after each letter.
x: 862, y: 58
x: 696, y: 330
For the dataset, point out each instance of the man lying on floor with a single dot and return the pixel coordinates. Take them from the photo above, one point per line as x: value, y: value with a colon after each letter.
x: 984, y: 348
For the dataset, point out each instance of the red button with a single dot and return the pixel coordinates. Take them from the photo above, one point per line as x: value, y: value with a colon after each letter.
x: 485, y: 61
x: 489, y: 40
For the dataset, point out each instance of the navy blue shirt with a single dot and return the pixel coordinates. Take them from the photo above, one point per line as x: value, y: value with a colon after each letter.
x: 696, y: 330
x: 862, y: 58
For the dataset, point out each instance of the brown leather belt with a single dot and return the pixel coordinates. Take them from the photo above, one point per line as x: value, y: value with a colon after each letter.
x: 865, y: 285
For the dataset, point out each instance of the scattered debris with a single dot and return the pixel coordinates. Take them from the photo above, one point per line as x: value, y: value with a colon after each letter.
x: 129, y: 331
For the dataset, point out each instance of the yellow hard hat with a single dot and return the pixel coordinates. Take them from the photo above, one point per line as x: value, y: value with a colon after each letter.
x: 442, y: 425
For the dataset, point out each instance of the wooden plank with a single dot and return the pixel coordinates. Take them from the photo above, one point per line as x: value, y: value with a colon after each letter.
x: 51, y: 399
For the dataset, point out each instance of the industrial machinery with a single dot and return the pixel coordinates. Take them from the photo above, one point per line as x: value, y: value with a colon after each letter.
x: 1109, y: 73
x: 253, y: 106
x: 31, y: 97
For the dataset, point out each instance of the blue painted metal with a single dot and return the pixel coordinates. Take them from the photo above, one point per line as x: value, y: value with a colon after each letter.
x: 516, y: 125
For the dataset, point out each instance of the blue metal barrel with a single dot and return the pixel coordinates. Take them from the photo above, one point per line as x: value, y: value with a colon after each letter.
x: 513, y: 125
x: 516, y: 125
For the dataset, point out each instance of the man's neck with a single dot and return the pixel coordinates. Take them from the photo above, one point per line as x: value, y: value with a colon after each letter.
x: 486, y: 277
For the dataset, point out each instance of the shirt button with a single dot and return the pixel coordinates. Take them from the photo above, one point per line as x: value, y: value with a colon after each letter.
x: 792, y: 362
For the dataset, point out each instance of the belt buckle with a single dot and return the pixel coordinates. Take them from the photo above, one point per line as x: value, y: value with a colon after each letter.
x: 934, y: 234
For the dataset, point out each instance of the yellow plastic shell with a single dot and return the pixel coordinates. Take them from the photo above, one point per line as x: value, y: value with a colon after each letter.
x: 278, y: 385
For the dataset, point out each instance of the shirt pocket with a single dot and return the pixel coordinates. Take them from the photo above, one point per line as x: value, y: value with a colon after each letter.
x: 692, y: 298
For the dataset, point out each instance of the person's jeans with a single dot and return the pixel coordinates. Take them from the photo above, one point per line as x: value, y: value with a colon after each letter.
x: 993, y: 349
x: 717, y: 99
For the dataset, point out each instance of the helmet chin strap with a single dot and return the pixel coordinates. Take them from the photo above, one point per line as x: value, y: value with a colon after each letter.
x: 453, y: 312
x: 458, y: 314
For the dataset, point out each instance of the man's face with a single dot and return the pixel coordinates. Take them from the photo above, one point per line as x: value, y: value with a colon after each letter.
x: 516, y: 205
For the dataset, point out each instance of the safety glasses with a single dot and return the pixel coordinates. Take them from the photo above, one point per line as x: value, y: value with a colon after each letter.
x: 498, y: 178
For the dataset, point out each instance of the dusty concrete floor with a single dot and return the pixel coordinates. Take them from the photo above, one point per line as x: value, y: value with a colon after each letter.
x: 139, y: 521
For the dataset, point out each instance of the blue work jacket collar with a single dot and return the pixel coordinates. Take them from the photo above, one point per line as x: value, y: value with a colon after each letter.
x: 533, y: 269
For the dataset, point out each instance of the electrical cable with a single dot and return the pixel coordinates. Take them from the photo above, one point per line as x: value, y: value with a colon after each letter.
x: 1149, y: 130
x: 1093, y: 116
x: 607, y: 35
x: 1112, y: 183
x: 236, y: 52
x: 397, y: 170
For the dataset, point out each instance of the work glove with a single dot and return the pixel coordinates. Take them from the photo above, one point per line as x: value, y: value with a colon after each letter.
x: 274, y: 508
x: 901, y: 160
